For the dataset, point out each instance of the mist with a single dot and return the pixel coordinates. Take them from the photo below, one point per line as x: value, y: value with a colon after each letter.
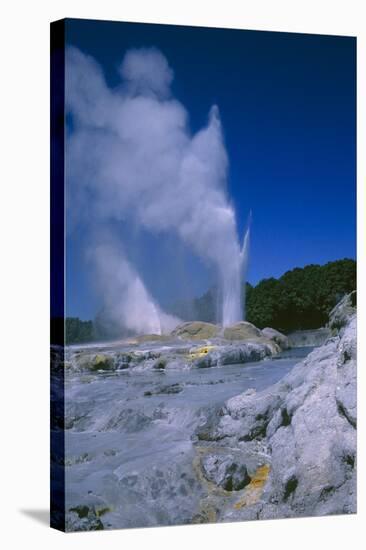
x: 131, y: 156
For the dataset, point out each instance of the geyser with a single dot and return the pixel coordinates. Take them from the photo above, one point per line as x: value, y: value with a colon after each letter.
x: 232, y: 277
x: 127, y: 301
x: 132, y: 159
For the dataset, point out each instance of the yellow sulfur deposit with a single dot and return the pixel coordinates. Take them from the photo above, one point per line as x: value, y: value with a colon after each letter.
x: 200, y: 352
x: 253, y: 491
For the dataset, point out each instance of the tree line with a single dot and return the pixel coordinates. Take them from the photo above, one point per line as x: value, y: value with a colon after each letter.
x: 300, y: 299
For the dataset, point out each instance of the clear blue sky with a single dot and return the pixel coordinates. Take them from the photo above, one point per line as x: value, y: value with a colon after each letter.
x: 288, y: 110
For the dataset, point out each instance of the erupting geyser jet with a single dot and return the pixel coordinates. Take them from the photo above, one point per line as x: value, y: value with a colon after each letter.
x: 232, y: 278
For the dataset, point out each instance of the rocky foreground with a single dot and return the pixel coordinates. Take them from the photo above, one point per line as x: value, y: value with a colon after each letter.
x: 289, y: 450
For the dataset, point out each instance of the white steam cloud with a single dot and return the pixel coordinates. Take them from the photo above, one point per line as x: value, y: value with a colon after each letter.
x: 126, y: 299
x: 131, y: 155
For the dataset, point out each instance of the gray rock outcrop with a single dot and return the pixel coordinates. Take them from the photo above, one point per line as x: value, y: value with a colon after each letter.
x: 178, y: 355
x: 241, y: 331
x: 237, y: 354
x: 340, y: 314
x: 195, y: 330
x: 276, y: 336
x: 307, y: 425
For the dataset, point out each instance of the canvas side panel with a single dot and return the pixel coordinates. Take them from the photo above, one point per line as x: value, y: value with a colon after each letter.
x: 57, y: 139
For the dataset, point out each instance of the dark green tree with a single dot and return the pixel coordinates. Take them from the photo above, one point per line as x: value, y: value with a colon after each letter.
x: 262, y: 302
x: 302, y: 298
x: 78, y: 331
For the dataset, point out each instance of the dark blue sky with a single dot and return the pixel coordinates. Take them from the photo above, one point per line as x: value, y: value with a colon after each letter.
x: 288, y: 110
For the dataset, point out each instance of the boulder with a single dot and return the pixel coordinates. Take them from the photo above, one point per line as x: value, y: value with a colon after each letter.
x: 276, y: 336
x: 195, y: 330
x: 241, y: 331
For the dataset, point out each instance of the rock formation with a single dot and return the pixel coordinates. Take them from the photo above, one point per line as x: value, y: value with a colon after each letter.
x: 191, y: 345
x: 196, y: 330
x: 304, y: 428
x: 241, y: 331
x: 276, y: 336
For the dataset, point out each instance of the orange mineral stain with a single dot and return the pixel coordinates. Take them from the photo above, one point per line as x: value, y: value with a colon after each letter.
x: 253, y: 491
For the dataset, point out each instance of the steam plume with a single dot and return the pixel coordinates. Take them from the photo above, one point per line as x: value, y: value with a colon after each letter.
x: 131, y: 156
